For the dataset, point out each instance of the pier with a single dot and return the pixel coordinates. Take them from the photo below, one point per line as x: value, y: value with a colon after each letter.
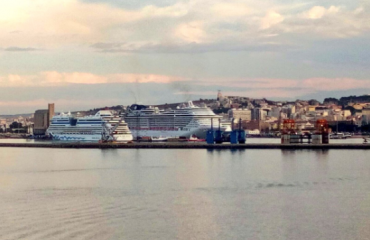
x: 171, y: 145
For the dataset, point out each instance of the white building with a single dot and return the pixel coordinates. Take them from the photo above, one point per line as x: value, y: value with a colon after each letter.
x: 252, y: 132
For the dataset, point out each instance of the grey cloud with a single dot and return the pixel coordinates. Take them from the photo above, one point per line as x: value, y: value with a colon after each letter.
x: 133, y: 4
x: 20, y: 49
x: 105, y: 45
x: 346, y: 23
x: 190, y: 47
x: 239, y: 35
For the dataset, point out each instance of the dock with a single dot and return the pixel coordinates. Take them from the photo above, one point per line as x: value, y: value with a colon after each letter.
x: 174, y: 145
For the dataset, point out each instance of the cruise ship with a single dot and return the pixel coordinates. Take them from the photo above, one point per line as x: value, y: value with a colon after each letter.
x: 101, y: 126
x: 119, y: 130
x: 184, y: 121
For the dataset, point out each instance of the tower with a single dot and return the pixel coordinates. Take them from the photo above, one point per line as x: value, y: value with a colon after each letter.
x: 219, y: 95
x: 50, y: 112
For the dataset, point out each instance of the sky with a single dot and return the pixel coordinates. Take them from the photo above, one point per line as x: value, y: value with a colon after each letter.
x: 81, y: 54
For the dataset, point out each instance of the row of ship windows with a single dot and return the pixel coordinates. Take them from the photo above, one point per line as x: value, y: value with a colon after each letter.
x: 67, y: 120
x: 169, y: 119
x: 90, y: 123
x: 75, y: 130
x: 159, y: 122
x: 77, y: 127
x: 79, y: 123
x: 159, y: 129
x: 168, y: 116
x: 90, y: 120
x: 82, y: 133
x: 166, y: 123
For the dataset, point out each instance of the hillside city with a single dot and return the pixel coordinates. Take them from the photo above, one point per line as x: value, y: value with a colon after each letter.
x: 259, y: 117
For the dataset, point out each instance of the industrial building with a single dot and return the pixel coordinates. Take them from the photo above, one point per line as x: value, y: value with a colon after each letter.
x: 42, y: 119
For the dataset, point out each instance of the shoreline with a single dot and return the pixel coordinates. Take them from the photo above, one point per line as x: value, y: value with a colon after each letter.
x: 75, y: 145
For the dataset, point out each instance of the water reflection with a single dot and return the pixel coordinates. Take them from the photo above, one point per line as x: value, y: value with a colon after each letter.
x: 231, y: 150
x: 289, y: 153
x: 322, y: 154
x: 109, y: 153
x: 183, y: 194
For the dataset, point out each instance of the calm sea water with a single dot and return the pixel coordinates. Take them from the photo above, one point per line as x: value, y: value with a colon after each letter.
x: 184, y: 194
x: 249, y: 140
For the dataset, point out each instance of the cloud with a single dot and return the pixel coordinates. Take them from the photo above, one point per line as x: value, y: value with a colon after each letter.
x: 257, y: 83
x: 84, y: 96
x: 53, y: 78
x: 30, y: 106
x: 231, y: 10
x: 277, y: 88
x: 51, y: 24
x: 310, y: 84
x: 335, y: 84
x: 79, y: 90
x: 318, y: 12
x: 20, y: 49
x: 176, y: 10
x: 272, y: 18
x: 56, y: 78
x: 332, y: 22
x: 32, y: 103
x: 107, y: 45
x: 54, y: 23
x: 191, y: 47
x: 192, y: 32
x: 287, y: 94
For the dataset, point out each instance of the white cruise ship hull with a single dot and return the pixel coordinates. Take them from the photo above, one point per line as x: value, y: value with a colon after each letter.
x: 201, y: 133
x: 77, y: 137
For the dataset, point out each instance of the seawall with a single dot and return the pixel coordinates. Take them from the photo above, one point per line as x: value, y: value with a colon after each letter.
x: 185, y: 146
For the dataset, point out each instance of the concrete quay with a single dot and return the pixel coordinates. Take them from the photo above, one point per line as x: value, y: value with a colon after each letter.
x: 185, y: 146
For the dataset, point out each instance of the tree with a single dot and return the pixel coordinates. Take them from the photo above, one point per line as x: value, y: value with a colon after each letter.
x: 352, y: 109
x: 15, y: 125
x: 221, y: 110
x: 331, y: 100
x: 313, y: 102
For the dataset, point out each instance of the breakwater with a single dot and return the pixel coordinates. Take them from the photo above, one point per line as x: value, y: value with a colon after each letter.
x: 187, y: 145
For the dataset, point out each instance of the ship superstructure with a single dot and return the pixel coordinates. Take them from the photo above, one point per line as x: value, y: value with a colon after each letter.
x: 184, y: 121
x: 101, y: 126
x: 119, y: 130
